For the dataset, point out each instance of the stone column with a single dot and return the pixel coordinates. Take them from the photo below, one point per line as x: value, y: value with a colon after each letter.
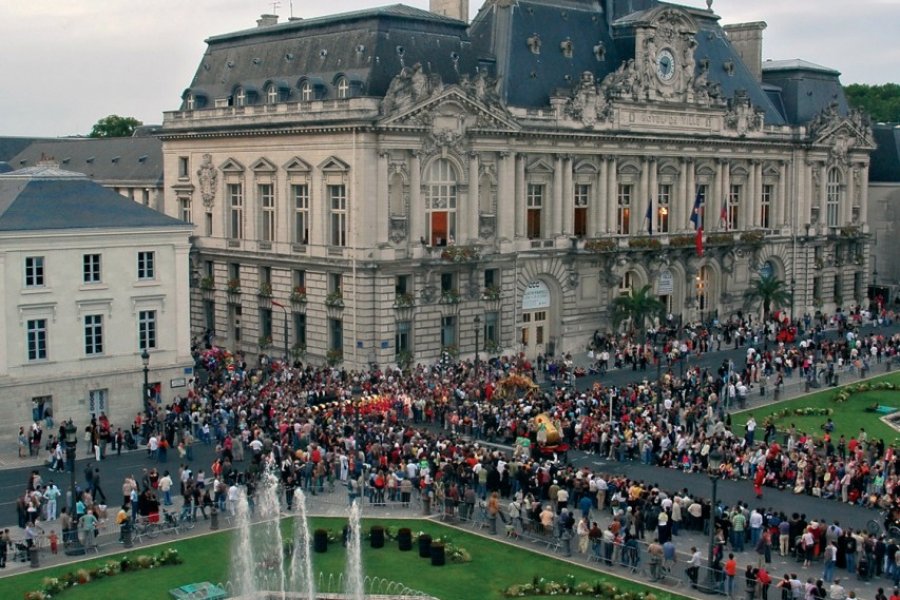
x: 520, y: 195
x: 782, y: 197
x: 599, y: 201
x: 383, y: 210
x: 556, y: 212
x: 474, y: 198
x: 823, y: 192
x: 711, y: 211
x: 639, y: 203
x: 690, y: 186
x: 568, y: 197
x: 506, y: 201
x: 864, y: 194
x: 653, y: 198
x: 417, y: 227
x: 612, y: 191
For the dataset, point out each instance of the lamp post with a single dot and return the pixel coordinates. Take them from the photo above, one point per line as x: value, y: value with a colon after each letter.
x: 70, y: 540
x: 286, y: 332
x: 145, y: 360
x: 477, y: 337
x: 793, y: 294
x: 713, y: 462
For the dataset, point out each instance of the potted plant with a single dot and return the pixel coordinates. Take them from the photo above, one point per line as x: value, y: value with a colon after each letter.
x: 450, y: 296
x: 600, y: 245
x: 265, y: 341
x: 334, y: 356
x: 298, y: 351
x: 405, y: 300
x: 265, y: 290
x: 208, y: 283
x: 450, y: 350
x: 404, y: 358
x: 491, y: 293
x: 335, y: 299
x: 298, y: 294
x: 233, y: 286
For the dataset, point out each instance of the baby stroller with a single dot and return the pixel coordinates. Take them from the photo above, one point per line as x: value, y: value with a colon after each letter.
x: 21, y: 552
x: 129, y: 441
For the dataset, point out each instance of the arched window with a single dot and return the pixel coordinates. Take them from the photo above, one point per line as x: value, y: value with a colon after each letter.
x: 240, y: 97
x: 833, y: 192
x: 703, y: 291
x: 440, y: 202
x: 626, y: 284
x: 343, y: 88
x: 271, y: 94
x: 306, y: 91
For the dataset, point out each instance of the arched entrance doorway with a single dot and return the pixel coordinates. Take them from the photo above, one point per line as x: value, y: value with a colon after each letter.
x: 704, y: 293
x: 534, y: 329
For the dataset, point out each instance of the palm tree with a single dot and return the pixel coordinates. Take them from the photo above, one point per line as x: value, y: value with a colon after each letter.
x: 636, y: 307
x: 771, y: 291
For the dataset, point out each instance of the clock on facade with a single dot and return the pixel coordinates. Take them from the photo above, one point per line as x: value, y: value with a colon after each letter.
x: 665, y: 65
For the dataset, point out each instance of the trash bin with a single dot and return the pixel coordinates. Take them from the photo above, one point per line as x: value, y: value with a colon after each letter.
x: 320, y: 541
x: 424, y: 545
x: 33, y: 556
x: 404, y: 539
x: 127, y: 537
x: 214, y: 519
x: 438, y: 555
x: 834, y: 380
x: 377, y: 536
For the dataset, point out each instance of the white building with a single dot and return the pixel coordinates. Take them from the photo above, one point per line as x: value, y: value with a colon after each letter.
x: 89, y: 280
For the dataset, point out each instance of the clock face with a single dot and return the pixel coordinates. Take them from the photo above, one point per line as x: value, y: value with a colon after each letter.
x: 665, y: 65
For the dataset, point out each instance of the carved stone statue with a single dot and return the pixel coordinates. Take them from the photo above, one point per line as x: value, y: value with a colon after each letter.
x: 409, y: 86
x: 588, y: 104
x: 208, y: 176
x: 741, y: 116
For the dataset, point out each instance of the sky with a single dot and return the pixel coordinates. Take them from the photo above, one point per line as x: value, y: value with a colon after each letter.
x: 66, y: 65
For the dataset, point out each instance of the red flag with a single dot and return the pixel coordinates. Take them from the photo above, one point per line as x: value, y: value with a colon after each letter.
x: 698, y: 240
x: 278, y: 304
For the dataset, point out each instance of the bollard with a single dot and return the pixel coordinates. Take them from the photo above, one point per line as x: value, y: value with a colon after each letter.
x: 33, y: 555
x: 214, y: 519
x: 127, y: 537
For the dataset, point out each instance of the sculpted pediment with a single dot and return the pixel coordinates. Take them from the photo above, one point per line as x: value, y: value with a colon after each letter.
x: 841, y: 134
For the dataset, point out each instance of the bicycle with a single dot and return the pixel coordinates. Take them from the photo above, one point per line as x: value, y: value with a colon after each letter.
x: 146, y: 526
x: 889, y: 526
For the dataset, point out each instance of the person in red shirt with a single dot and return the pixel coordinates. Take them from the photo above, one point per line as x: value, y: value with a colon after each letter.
x: 730, y: 573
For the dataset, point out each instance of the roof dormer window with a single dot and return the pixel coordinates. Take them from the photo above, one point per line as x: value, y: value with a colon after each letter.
x: 306, y: 91
x: 189, y: 102
x: 343, y: 88
x: 240, y: 97
x: 271, y: 94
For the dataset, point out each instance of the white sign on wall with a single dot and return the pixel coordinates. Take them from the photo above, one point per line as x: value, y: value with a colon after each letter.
x: 665, y: 283
x: 537, y: 295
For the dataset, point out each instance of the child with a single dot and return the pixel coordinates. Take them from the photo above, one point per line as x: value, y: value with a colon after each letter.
x: 54, y: 542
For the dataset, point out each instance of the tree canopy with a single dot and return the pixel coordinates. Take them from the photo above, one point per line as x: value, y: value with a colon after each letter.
x: 636, y: 307
x: 114, y: 126
x: 881, y: 102
x: 771, y: 291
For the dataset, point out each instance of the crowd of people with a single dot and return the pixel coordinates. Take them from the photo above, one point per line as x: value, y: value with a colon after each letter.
x: 388, y: 435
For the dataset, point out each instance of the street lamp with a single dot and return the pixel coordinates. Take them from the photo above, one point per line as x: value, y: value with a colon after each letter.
x: 70, y: 541
x: 145, y: 360
x: 477, y: 337
x: 714, y: 461
x: 793, y: 294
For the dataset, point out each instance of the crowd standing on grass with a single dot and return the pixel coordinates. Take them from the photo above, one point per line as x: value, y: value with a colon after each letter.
x: 389, y: 435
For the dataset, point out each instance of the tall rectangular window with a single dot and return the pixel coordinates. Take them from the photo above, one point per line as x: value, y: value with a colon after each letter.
x: 582, y: 199
x: 91, y: 268
x: 184, y: 167
x: 337, y: 200
x: 93, y: 334
x: 734, y: 203
x: 335, y: 334
x: 235, y: 195
x: 208, y: 224
x: 184, y: 208
x: 765, y: 206
x: 623, y: 209
x: 834, y: 192
x: 300, y: 329
x: 300, y: 195
x: 492, y: 328
x: 146, y: 267
x: 266, y: 193
x: 36, y: 339
x: 147, y: 330
x: 858, y: 286
x: 838, y: 291
x: 448, y: 331
x: 403, y: 337
x: 34, y: 271
x: 265, y: 324
x: 534, y: 202
x: 663, y: 205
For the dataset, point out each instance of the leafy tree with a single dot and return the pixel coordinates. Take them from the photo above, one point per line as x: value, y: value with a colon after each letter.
x: 637, y: 307
x: 114, y: 126
x: 881, y: 102
x: 771, y: 291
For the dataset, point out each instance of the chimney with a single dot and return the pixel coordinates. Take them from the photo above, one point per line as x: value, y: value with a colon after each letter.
x: 747, y: 40
x: 267, y: 20
x: 455, y: 9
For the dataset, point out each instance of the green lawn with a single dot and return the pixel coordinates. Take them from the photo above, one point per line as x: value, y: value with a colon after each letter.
x: 848, y: 416
x: 494, y: 567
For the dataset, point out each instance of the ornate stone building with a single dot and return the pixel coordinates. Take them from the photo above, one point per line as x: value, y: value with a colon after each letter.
x: 391, y: 182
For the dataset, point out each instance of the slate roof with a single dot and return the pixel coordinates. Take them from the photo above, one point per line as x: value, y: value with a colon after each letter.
x: 805, y: 88
x: 885, y: 160
x: 371, y: 46
x: 46, y: 197
x: 135, y: 160
x: 10, y: 146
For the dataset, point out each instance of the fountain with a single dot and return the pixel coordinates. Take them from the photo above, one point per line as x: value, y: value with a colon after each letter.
x: 258, y: 562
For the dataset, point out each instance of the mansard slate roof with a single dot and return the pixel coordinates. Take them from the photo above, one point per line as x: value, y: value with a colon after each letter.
x: 885, y: 162
x: 132, y: 160
x: 48, y: 198
x: 371, y: 46
x: 805, y: 88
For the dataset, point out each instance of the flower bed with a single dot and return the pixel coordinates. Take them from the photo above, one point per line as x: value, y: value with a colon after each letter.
x: 569, y: 587
x: 844, y: 394
x: 53, y: 586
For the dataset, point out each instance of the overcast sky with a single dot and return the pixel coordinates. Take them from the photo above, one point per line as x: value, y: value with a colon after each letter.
x: 66, y: 64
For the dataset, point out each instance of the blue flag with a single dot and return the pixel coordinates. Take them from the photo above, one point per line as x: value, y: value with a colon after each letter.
x: 695, y: 214
x: 649, y: 216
